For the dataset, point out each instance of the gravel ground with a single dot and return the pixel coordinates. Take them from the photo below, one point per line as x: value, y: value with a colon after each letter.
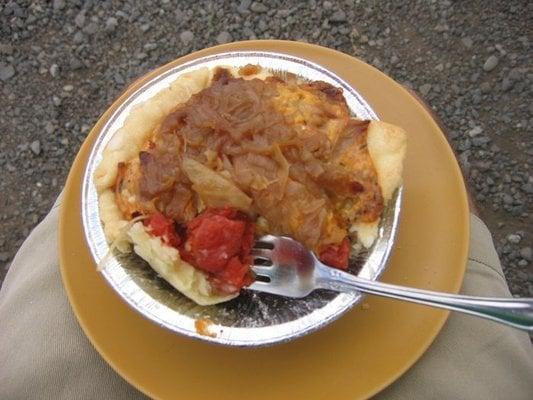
x: 63, y: 62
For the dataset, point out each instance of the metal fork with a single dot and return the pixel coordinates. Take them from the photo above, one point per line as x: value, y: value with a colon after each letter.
x: 294, y: 271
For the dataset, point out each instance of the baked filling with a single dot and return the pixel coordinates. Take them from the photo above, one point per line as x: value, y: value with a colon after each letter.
x: 249, y: 155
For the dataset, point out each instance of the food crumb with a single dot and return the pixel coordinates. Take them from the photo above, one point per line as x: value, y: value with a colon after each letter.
x: 202, y: 327
x: 365, y: 306
x: 249, y: 69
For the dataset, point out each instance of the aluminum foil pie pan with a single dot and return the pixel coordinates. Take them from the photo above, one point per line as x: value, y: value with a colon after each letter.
x: 251, y: 319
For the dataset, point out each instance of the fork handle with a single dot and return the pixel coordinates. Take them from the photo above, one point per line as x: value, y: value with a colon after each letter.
x: 515, y: 312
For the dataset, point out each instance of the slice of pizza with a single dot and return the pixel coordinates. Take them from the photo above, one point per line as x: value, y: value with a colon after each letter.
x: 224, y: 155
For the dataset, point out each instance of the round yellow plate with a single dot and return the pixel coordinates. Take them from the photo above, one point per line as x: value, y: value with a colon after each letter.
x: 353, y: 358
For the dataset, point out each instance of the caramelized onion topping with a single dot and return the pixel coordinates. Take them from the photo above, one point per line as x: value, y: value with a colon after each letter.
x: 292, y: 148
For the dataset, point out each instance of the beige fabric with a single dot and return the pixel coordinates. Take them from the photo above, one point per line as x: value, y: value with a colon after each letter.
x: 44, y: 354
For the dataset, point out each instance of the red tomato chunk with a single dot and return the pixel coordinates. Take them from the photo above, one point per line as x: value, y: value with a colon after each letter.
x: 336, y: 255
x: 164, y: 228
x: 219, y: 242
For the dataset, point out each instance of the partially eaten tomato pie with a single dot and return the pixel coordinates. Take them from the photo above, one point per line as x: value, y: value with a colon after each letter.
x: 244, y: 153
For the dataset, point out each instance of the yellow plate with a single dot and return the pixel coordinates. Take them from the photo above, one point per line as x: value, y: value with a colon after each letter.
x: 356, y: 356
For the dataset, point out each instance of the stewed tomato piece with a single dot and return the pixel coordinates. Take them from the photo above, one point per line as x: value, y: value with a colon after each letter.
x: 336, y: 255
x: 219, y: 242
x: 163, y: 227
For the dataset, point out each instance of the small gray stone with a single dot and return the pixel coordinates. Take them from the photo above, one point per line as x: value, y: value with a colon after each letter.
x: 257, y: 7
x: 186, y: 37
x: 528, y: 188
x: 507, y: 84
x: 526, y: 253
x: 49, y: 127
x: 514, y: 74
x: 491, y: 63
x: 424, y: 89
x: 224, y: 37
x: 54, y: 70
x: 480, y: 141
x: 35, y: 147
x: 499, y: 47
x: 6, y: 71
x: 78, y: 37
x: 243, y: 7
x: 467, y: 42
x: 338, y: 16
x: 476, y: 130
x: 150, y: 46
x: 485, y: 87
x: 80, y: 19
x: 4, y: 257
x: 513, y: 237
x: 76, y: 64
x: 91, y: 28
x: 508, y: 199
x: 58, y: 4
x: 6, y: 49
x: 110, y: 24
x: 118, y: 78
